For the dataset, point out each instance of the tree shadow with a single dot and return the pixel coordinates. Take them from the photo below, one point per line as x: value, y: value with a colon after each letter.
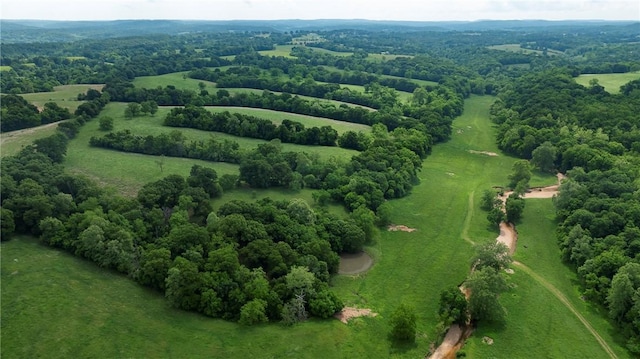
x: 401, y: 347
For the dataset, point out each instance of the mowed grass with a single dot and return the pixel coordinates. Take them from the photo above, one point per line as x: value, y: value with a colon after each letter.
x: 309, y: 121
x: 57, y: 306
x: 538, y: 325
x: 280, y: 50
x: 107, y: 315
x: 128, y: 172
x: 610, y: 82
x: 177, y: 79
x: 12, y: 142
x: 518, y: 49
x: 65, y: 96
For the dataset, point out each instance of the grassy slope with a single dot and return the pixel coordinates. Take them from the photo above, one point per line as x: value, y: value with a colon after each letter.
x: 116, y: 168
x: 610, y: 82
x: 411, y: 267
x: 65, y: 96
x: 309, y: 121
x: 12, y: 142
x: 537, y: 321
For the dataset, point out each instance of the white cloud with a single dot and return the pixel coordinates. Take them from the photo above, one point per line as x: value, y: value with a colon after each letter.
x: 433, y: 10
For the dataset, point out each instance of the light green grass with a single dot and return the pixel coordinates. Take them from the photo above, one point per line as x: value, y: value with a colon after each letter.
x: 74, y: 58
x: 12, y: 142
x: 330, y: 52
x: 538, y: 324
x: 280, y: 50
x: 127, y: 172
x: 176, y: 79
x: 312, y: 99
x: 309, y: 121
x: 65, y: 96
x: 109, y: 316
x: 610, y: 82
x: 385, y: 57
x: 5, y: 68
x: 521, y: 50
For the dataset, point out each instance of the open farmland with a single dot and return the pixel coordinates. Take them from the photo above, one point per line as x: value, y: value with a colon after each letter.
x: 610, y: 82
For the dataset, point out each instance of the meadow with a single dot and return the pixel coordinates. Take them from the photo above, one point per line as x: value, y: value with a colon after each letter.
x: 610, y: 82
x: 538, y: 322
x: 12, y: 142
x: 517, y: 48
x: 65, y: 96
x: 117, y: 169
x: 410, y: 268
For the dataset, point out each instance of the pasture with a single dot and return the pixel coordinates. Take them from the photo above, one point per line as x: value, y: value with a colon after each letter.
x: 521, y: 50
x: 5, y: 68
x: 177, y: 79
x: 610, y: 82
x: 538, y: 323
x: 127, y: 172
x: 12, y: 142
x: 65, y: 96
x: 309, y: 121
x: 410, y: 267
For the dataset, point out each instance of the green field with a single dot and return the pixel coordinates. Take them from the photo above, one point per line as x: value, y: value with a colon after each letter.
x: 280, y: 50
x: 610, y: 82
x: 12, y: 142
x: 65, y: 96
x: 127, y: 172
x: 538, y: 324
x: 176, y: 79
x: 410, y: 267
x: 5, y: 68
x: 309, y: 121
x: 521, y: 50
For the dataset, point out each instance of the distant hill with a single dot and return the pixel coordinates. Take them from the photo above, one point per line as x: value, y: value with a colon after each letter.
x: 32, y: 30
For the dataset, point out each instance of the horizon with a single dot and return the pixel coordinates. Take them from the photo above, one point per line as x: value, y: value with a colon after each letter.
x: 273, y: 10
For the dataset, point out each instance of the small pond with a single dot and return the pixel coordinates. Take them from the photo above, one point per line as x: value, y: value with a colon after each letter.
x: 354, y: 263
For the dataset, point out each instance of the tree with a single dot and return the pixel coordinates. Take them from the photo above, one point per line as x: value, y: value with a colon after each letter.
x: 106, y: 123
x: 485, y: 286
x: 253, y: 312
x: 492, y: 254
x: 403, y: 324
x: 453, y: 307
x: 521, y: 173
x: 544, y: 156
x: 496, y: 216
x: 7, y: 224
x: 514, y: 207
x: 489, y: 200
x: 132, y: 110
x: 150, y: 107
x: 54, y: 146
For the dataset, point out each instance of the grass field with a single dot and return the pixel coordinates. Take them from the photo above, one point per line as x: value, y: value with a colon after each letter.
x: 127, y: 172
x: 610, y: 82
x: 176, y: 79
x: 518, y: 49
x: 538, y: 322
x: 309, y: 121
x: 410, y: 267
x: 65, y: 96
x: 5, y: 68
x: 280, y: 50
x: 12, y: 142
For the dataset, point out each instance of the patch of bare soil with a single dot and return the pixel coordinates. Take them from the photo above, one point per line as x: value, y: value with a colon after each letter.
x: 395, y: 228
x: 487, y: 340
x: 354, y: 263
x: 351, y: 312
x: 508, y: 236
x: 453, y: 341
x: 492, y: 154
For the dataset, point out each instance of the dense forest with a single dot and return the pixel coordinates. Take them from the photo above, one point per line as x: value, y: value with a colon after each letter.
x: 273, y: 260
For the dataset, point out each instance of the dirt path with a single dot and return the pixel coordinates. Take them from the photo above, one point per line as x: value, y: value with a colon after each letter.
x: 455, y: 337
x: 567, y: 304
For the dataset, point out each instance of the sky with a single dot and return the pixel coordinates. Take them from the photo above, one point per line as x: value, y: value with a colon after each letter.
x: 413, y: 10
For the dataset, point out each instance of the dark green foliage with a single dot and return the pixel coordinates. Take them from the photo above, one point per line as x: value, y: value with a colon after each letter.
x: 403, y: 324
x: 17, y: 113
x: 7, y: 224
x: 106, y: 123
x: 492, y: 254
x: 514, y: 207
x: 489, y: 200
x: 485, y: 286
x: 453, y: 307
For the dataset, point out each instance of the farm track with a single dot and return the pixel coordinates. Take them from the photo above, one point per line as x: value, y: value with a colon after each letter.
x: 561, y: 297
